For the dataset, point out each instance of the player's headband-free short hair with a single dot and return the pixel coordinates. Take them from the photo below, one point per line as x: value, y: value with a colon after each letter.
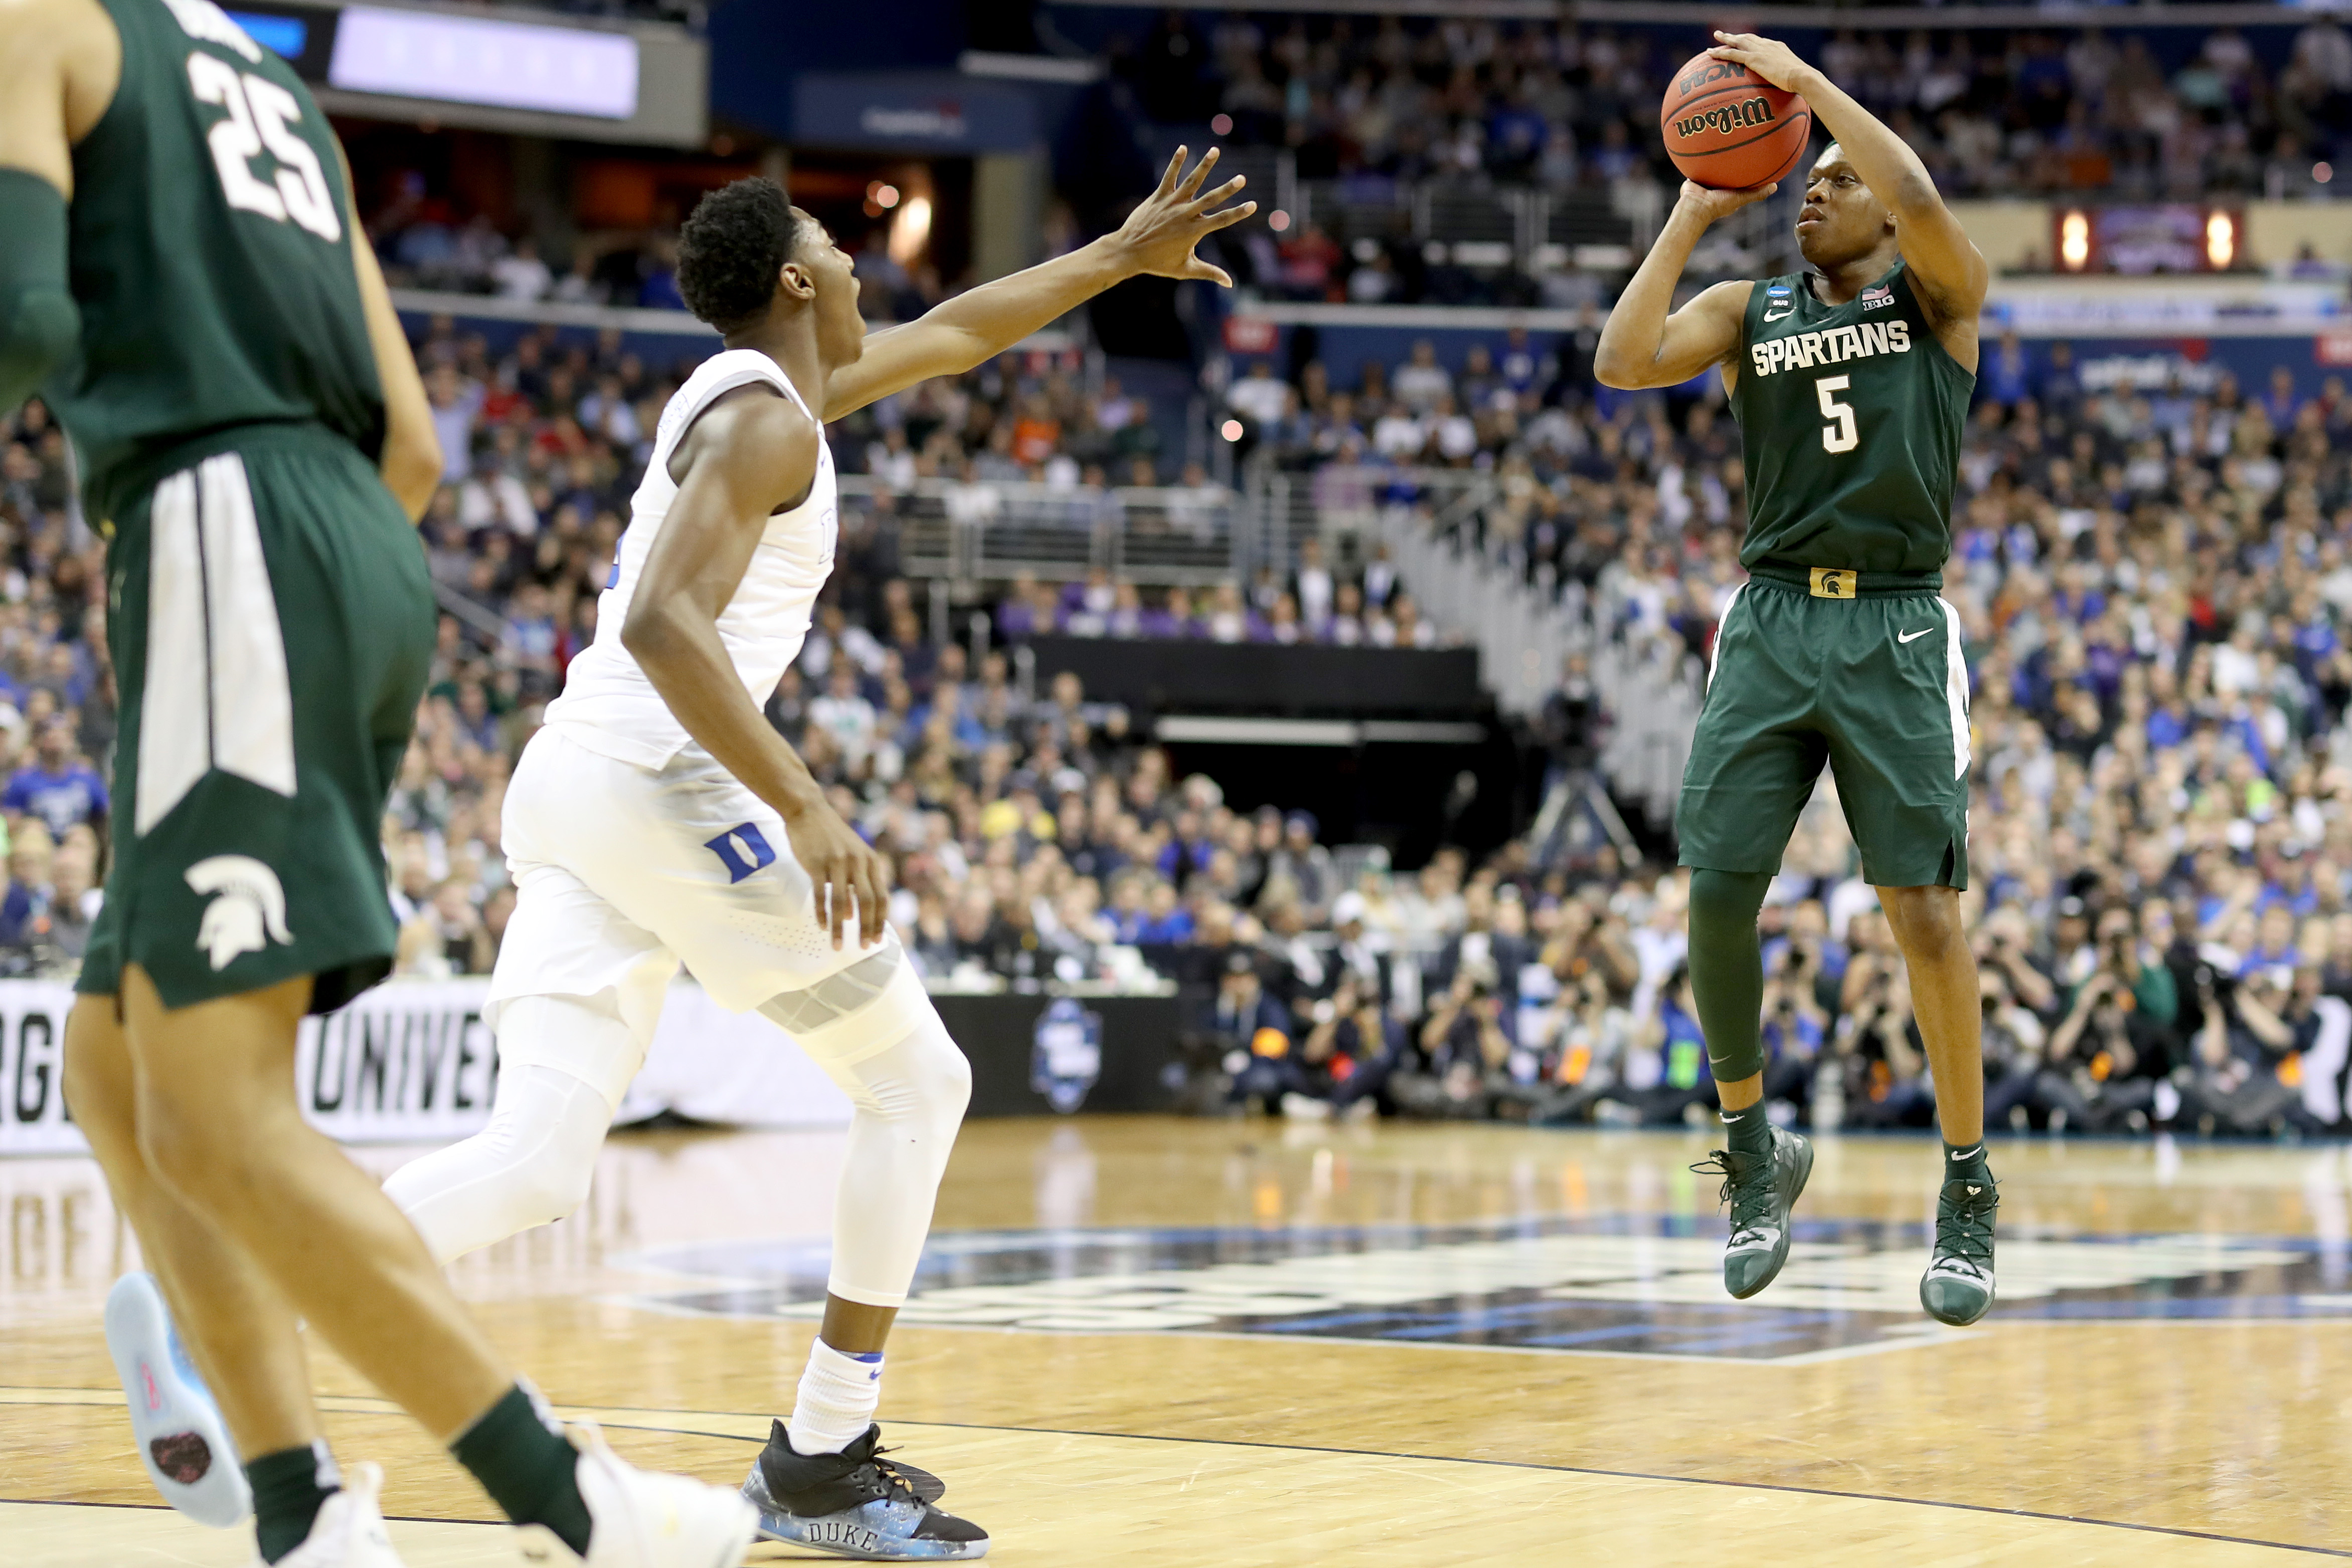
x: 730, y: 249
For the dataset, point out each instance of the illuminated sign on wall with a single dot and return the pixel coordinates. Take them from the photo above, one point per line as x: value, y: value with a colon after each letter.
x: 503, y: 65
x: 2141, y: 240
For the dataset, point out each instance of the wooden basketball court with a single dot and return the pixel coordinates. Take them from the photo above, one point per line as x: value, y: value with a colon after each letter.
x: 1219, y: 1343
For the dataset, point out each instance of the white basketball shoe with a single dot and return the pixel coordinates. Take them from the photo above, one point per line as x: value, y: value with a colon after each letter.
x: 643, y: 1518
x: 183, y: 1440
x: 349, y: 1531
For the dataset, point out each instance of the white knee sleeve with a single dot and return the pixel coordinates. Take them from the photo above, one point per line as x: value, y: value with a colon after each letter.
x: 564, y: 1065
x: 590, y: 1037
x: 910, y: 1085
x: 850, y: 1015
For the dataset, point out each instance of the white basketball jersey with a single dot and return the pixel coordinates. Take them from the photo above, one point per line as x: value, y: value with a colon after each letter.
x: 608, y: 705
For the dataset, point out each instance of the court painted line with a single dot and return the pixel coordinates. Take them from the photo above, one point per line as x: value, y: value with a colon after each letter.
x: 1901, y: 1337
x: 973, y: 1460
x: 77, y: 1534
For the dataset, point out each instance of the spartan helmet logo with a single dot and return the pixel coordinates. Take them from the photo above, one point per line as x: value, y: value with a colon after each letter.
x: 249, y: 907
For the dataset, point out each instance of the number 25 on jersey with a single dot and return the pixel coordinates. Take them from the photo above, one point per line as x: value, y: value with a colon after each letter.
x: 1839, y: 434
x: 261, y: 115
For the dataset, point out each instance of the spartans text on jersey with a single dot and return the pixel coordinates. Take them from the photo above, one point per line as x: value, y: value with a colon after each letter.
x: 1832, y: 345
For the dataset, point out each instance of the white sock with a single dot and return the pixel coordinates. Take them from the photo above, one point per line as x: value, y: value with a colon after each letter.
x: 838, y: 1396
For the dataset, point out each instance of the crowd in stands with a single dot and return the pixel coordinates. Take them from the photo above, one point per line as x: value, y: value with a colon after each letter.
x: 57, y: 709
x: 2152, y: 580
x: 1376, y: 107
x: 423, y: 240
x: 1567, y: 103
x: 1386, y: 116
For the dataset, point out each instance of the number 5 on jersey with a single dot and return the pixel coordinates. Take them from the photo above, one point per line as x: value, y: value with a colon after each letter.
x: 262, y: 114
x: 1838, y: 435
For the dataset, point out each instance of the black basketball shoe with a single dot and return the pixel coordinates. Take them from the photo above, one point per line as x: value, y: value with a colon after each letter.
x: 856, y: 1503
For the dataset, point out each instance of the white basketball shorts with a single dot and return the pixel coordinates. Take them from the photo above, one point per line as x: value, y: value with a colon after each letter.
x: 620, y: 874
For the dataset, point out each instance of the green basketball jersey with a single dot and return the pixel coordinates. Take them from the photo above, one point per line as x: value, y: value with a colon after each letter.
x: 1850, y: 421
x: 210, y: 236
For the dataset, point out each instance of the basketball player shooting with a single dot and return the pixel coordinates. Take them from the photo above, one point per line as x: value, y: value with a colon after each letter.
x: 658, y: 816
x: 1851, y: 383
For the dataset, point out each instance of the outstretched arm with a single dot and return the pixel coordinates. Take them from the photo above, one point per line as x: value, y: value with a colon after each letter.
x: 1157, y: 239
x: 1947, y: 270
x: 1641, y: 344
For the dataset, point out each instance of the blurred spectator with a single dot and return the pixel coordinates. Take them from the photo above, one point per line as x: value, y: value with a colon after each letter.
x: 57, y: 788
x: 521, y: 274
x: 2254, y: 1029
x: 1254, y: 1030
x: 1261, y: 398
x: 1466, y: 1055
x: 73, y: 901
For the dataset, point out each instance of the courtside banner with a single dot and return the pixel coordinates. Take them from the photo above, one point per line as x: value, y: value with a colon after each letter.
x: 406, y: 1062
x: 413, y: 1062
x: 32, y: 1069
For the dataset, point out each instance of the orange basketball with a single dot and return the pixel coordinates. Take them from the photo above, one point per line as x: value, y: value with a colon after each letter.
x: 1731, y: 129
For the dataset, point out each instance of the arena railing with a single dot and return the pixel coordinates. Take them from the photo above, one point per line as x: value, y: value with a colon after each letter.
x: 963, y: 538
x: 1525, y: 624
x: 1160, y: 536
x: 1469, y: 222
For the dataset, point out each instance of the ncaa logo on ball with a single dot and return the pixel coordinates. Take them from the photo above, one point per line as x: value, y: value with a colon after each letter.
x: 1714, y: 71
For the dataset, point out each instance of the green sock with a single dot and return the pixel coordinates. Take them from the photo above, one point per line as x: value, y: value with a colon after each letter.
x: 1968, y: 1161
x: 289, y: 1488
x: 529, y: 1467
x: 1751, y: 1131
x: 1726, y: 969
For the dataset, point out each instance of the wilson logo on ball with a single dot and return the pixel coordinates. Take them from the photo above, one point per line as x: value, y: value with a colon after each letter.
x: 1726, y: 128
x: 1723, y: 117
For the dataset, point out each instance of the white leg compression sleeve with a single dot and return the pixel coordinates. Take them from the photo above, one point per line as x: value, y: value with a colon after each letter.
x: 876, y: 1034
x: 531, y: 1164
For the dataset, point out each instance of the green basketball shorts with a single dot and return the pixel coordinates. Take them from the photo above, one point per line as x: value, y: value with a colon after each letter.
x: 1866, y: 675
x: 271, y: 625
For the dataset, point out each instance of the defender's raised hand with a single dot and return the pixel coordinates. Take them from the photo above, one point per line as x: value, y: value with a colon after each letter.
x: 960, y: 332
x: 1159, y: 235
